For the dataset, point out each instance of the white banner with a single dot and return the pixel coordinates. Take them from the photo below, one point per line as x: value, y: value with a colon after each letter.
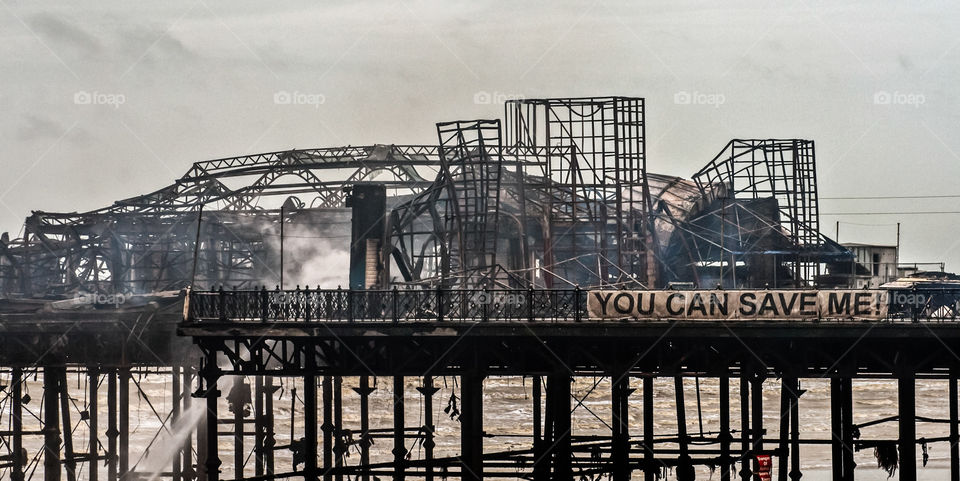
x: 738, y: 304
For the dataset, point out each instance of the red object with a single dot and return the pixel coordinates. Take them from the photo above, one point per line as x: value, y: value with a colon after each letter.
x: 764, y: 464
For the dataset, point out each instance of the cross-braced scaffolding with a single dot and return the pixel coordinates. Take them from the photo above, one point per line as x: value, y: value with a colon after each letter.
x: 597, y: 197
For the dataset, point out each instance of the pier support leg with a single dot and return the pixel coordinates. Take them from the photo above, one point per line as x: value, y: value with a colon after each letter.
x: 238, y: 456
x: 725, y: 437
x: 783, y: 446
x: 174, y: 418
x: 427, y: 391
x: 112, y: 431
x: 124, y: 413
x: 685, y: 470
x: 836, y: 428
x: 339, y: 448
x: 364, y: 391
x: 399, y: 449
x: 541, y: 463
x: 471, y: 426
x: 201, y: 437
x: 51, y: 424
x: 93, y: 409
x: 745, y: 471
x: 17, y: 466
x: 846, y: 408
x: 558, y: 401
x: 907, y: 422
x: 650, y: 471
x: 954, y: 434
x: 756, y: 428
x: 327, y: 426
x: 310, y: 435
x: 211, y: 462
x: 621, y: 426
x: 270, y: 436
x: 795, y: 394
x: 259, y: 427
x: 69, y: 458
x: 188, y: 472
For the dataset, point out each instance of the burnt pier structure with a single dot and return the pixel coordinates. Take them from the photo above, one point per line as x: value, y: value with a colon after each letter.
x: 436, y: 271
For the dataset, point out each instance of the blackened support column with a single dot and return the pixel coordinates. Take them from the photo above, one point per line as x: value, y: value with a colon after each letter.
x: 211, y: 462
x: 17, y: 466
x: 836, y: 428
x: 725, y: 437
x: 327, y: 426
x: 201, y: 432
x: 112, y: 431
x: 51, y: 425
x: 620, y: 396
x: 339, y: 448
x: 795, y: 394
x: 471, y: 426
x: 650, y: 471
x: 906, y: 391
x: 427, y: 391
x: 558, y: 397
x: 70, y: 461
x: 174, y: 418
x: 270, y: 435
x: 745, y: 471
x: 238, y: 456
x: 399, y: 448
x: 846, y: 409
x: 94, y: 411
x: 259, y: 428
x: 756, y: 426
x: 188, y: 472
x: 364, y: 391
x: 124, y: 454
x: 783, y: 447
x: 954, y: 434
x: 310, y: 435
x: 541, y: 462
x: 685, y: 470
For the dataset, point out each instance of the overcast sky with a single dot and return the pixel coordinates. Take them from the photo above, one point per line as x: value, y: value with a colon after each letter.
x: 103, y: 100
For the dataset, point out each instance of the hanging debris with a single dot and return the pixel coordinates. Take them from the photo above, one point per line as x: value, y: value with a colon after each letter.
x: 887, y: 457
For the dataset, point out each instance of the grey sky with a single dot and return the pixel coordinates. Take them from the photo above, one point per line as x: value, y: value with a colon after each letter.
x: 198, y: 79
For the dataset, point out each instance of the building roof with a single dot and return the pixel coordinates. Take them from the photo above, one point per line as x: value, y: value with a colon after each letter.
x: 858, y: 244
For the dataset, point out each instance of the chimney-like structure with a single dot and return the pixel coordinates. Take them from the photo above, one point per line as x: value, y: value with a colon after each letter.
x: 368, y: 204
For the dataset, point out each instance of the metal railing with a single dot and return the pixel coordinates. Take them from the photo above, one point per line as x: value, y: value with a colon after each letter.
x: 471, y: 305
x: 393, y: 305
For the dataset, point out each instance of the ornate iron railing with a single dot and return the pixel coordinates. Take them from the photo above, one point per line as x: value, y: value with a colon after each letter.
x: 394, y: 305
x: 465, y: 305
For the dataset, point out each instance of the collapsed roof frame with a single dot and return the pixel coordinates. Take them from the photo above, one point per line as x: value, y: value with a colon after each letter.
x: 567, y: 178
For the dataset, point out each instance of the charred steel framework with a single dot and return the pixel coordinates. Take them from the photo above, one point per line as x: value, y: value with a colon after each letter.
x: 553, y: 196
x: 784, y: 170
x: 597, y: 186
x: 148, y: 243
x: 557, y: 195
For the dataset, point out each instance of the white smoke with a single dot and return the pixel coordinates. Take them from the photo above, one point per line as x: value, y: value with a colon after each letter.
x: 319, y: 258
x: 169, y: 442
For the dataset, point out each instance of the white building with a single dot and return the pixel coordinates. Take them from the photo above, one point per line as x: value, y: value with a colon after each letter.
x: 876, y: 264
